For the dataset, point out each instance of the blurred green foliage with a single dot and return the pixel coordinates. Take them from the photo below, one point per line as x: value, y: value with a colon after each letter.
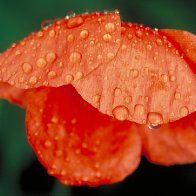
x: 19, y: 18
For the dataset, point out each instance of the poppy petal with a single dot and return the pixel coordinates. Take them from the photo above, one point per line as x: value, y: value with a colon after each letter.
x: 146, y: 78
x: 12, y: 94
x: 173, y: 143
x: 76, y: 143
x: 63, y: 52
x: 185, y: 42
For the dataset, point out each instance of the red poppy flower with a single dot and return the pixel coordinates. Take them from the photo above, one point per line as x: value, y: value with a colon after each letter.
x: 100, y: 93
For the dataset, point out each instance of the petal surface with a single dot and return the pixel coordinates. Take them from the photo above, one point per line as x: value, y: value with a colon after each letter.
x: 76, y: 143
x: 174, y: 143
x: 63, y: 52
x: 147, y: 80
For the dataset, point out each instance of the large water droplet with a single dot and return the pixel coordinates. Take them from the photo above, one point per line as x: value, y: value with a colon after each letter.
x: 70, y: 38
x: 75, y: 57
x: 110, y: 27
x: 75, y: 22
x: 50, y: 57
x: 33, y: 80
x: 120, y: 112
x: 184, y: 111
x: 117, y: 92
x: 107, y: 37
x: 27, y: 68
x: 139, y: 33
x: 41, y: 62
x: 84, y: 34
x: 69, y: 78
x: 52, y: 74
x: 52, y: 33
x: 154, y: 120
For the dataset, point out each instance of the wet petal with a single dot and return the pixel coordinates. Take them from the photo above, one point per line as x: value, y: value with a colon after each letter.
x: 76, y: 143
x: 174, y: 143
x: 12, y: 94
x: 185, y: 42
x: 148, y: 75
x: 66, y: 51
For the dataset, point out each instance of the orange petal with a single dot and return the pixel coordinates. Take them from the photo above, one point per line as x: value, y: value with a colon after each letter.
x: 61, y: 53
x: 185, y: 42
x: 12, y: 94
x: 146, y: 78
x: 174, y: 143
x: 76, y: 143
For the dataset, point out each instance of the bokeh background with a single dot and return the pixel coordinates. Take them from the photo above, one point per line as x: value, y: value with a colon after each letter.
x: 20, y: 172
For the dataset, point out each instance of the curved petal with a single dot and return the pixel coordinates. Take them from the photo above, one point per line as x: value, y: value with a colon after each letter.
x: 146, y: 78
x: 185, y: 42
x: 63, y: 52
x: 76, y: 143
x: 12, y: 94
x: 174, y: 143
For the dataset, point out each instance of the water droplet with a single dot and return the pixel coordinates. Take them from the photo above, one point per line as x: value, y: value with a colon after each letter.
x: 117, y: 92
x: 79, y: 75
x: 177, y: 95
x: 47, y: 144
x: 33, y: 80
x: 75, y: 57
x: 40, y: 34
x: 107, y: 37
x: 50, y: 57
x: 172, y: 78
x: 124, y: 47
x: 154, y: 120
x: 133, y: 73
x: 60, y: 64
x: 139, y: 110
x: 84, y: 145
x: 159, y: 42
x: 96, y: 98
x: 69, y: 78
x: 52, y: 74
x: 149, y: 47
x: 120, y: 112
x: 52, y: 33
x: 129, y: 36
x: 184, y: 111
x: 27, y: 68
x: 110, y: 27
x: 54, y: 119
x: 41, y: 62
x: 128, y: 99
x: 70, y: 38
x: 110, y: 55
x: 139, y: 33
x: 77, y: 151
x: 154, y: 126
x: 164, y: 78
x: 75, y: 22
x: 84, y: 34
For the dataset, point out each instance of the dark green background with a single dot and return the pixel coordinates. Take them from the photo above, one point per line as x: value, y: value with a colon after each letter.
x: 20, y: 173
